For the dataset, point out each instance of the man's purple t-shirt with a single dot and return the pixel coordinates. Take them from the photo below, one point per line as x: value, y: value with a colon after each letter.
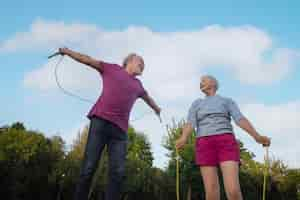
x: 120, y: 91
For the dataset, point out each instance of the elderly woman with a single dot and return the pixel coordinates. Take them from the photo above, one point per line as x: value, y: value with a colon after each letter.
x: 216, y: 145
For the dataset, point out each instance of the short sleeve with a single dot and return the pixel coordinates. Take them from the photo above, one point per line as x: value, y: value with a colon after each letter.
x: 234, y: 111
x: 105, y: 66
x: 192, y: 115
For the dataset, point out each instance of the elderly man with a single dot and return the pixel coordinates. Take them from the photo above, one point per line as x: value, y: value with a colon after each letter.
x: 216, y: 144
x: 109, y: 119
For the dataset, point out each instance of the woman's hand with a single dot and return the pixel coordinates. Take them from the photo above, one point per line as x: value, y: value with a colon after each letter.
x: 265, y: 141
x: 180, y: 143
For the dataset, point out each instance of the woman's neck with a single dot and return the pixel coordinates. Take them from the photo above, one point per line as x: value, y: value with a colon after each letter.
x: 210, y: 93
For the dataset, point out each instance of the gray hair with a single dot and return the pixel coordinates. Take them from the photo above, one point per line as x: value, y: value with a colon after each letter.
x: 128, y: 58
x: 217, y: 85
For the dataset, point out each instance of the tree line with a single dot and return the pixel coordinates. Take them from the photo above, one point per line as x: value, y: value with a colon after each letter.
x: 34, y: 167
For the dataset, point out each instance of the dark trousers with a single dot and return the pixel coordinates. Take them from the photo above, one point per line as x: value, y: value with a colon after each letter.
x: 101, y: 133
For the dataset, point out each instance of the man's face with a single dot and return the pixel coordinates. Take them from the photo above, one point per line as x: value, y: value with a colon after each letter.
x: 137, y: 64
x: 206, y: 84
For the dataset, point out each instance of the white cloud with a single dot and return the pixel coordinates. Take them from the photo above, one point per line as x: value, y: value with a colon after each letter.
x: 175, y: 59
x: 47, y: 34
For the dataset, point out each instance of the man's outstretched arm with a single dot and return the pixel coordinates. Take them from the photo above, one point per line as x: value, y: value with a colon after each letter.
x: 84, y: 59
x: 149, y: 100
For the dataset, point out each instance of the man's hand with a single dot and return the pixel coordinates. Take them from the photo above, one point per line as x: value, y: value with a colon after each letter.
x: 180, y: 143
x: 265, y: 141
x: 63, y: 51
x: 157, y: 112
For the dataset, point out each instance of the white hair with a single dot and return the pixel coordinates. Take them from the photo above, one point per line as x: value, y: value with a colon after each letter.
x: 217, y: 85
x: 130, y: 57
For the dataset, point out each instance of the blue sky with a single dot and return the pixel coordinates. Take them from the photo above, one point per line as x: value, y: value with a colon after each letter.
x: 266, y: 93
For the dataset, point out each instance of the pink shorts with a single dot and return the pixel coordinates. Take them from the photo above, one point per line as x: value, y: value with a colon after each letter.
x: 212, y: 150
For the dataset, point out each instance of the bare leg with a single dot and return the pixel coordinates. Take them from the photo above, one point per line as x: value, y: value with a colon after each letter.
x: 211, y: 182
x: 230, y: 172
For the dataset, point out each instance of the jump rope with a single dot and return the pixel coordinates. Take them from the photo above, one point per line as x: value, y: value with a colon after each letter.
x: 71, y: 94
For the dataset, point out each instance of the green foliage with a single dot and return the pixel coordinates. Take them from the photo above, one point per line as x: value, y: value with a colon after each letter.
x: 27, y: 158
x: 33, y: 167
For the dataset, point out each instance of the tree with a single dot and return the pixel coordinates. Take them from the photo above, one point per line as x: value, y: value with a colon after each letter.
x: 190, y: 181
x: 26, y: 161
x: 33, y: 167
x: 18, y: 126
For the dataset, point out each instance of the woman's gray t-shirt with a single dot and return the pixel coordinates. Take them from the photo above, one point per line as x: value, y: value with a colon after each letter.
x: 212, y: 115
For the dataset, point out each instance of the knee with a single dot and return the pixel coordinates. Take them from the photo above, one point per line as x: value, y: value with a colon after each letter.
x: 234, y: 193
x: 117, y: 173
x: 87, y: 169
x: 212, y: 192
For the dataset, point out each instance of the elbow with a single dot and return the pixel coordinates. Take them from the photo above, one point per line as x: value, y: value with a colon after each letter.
x: 243, y: 123
x: 241, y: 120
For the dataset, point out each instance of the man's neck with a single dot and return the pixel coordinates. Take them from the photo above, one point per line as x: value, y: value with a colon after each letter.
x: 129, y: 71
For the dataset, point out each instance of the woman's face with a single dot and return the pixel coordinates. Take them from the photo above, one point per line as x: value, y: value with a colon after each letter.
x: 206, y: 84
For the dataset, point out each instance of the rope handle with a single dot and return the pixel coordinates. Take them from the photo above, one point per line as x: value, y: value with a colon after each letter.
x: 177, y: 175
x: 266, y: 167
